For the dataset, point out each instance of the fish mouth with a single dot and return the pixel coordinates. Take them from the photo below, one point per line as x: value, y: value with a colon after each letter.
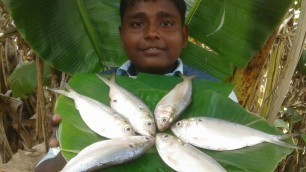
x: 148, y: 134
x: 163, y: 127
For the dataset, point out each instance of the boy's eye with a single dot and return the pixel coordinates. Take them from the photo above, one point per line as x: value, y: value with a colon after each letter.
x: 137, y: 24
x: 166, y: 23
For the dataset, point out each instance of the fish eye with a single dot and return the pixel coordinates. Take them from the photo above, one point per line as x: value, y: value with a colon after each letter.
x: 127, y: 129
x: 179, y: 124
x: 166, y: 136
x: 164, y: 120
x: 149, y: 124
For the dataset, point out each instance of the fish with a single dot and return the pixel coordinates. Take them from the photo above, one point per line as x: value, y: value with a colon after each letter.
x: 106, y: 153
x: 184, y: 157
x: 131, y: 107
x: 169, y: 108
x: 220, y: 135
x: 99, y: 117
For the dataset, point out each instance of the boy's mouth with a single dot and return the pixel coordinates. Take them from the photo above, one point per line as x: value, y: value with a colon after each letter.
x: 152, y: 51
x: 151, y: 48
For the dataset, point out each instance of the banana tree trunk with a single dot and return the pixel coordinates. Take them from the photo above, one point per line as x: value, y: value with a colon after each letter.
x: 289, y: 66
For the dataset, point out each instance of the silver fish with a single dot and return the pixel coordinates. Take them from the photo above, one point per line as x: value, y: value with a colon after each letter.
x: 131, y: 107
x: 98, y: 117
x: 184, y: 157
x: 173, y: 104
x: 217, y: 134
x: 108, y: 153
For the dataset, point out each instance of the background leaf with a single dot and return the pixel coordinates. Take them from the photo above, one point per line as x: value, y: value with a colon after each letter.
x: 23, y: 80
x: 234, y: 29
x: 78, y: 36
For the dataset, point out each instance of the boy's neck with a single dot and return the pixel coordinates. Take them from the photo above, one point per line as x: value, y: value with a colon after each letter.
x: 134, y: 70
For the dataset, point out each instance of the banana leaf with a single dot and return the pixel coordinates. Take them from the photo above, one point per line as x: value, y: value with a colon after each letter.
x: 23, y: 80
x: 209, y: 99
x: 78, y: 36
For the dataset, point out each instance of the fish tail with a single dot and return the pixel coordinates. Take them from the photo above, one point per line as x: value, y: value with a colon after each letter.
x: 60, y: 91
x: 106, y: 81
x: 286, y: 136
x: 276, y: 140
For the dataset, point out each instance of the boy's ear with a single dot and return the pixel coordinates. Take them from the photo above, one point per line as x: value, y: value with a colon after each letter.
x: 185, y: 35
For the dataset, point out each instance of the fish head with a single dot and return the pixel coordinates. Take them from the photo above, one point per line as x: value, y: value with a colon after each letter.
x: 141, y: 142
x: 148, y: 140
x: 179, y: 127
x: 121, y: 127
x: 149, y: 127
x: 164, y: 116
x: 128, y: 130
x: 164, y: 140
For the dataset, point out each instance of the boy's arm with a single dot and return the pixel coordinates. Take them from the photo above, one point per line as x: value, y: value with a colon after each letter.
x: 54, y: 160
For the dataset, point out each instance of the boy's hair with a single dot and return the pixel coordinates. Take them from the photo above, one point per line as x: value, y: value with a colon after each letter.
x: 180, y: 5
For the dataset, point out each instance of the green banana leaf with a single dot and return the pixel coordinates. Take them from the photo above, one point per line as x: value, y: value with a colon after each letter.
x: 23, y: 80
x: 209, y: 99
x: 78, y: 36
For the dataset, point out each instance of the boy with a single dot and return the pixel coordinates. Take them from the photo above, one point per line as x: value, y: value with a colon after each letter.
x: 153, y: 35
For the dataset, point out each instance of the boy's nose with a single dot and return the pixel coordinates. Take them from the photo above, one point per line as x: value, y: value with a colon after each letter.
x: 152, y: 33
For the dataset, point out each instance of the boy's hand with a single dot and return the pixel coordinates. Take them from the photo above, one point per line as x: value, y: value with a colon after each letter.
x: 55, y: 121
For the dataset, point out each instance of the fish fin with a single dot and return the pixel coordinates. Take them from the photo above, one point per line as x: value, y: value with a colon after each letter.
x: 188, y: 77
x: 276, y: 141
x: 71, y: 151
x: 106, y: 81
x: 113, y: 78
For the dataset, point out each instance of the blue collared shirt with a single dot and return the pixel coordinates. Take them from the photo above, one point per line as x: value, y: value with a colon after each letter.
x: 127, y: 70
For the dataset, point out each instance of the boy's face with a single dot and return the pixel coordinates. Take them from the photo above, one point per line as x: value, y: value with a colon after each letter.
x: 153, y: 35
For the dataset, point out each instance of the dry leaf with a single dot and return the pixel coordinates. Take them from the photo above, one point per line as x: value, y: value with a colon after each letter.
x: 24, y: 161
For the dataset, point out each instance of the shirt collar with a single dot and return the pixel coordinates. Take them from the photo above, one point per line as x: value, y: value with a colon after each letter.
x: 128, y: 70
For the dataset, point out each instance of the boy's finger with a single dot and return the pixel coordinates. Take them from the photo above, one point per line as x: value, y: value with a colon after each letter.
x: 53, y: 142
x: 55, y: 121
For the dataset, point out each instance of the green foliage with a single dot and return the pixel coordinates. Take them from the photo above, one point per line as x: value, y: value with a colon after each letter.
x: 23, y: 81
x: 77, y: 36
x: 74, y: 135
